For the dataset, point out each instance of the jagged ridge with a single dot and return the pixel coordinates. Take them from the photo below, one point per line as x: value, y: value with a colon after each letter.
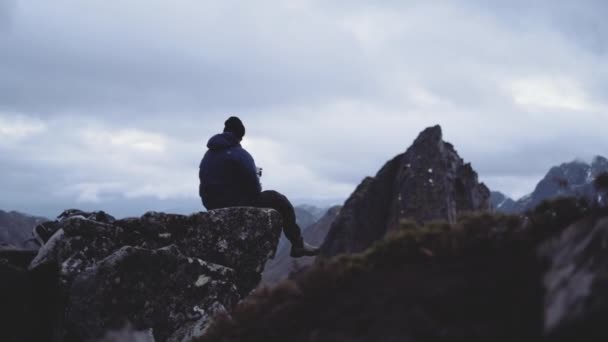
x: 427, y: 182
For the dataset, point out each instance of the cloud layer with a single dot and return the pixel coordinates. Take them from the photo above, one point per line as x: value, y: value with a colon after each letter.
x: 109, y: 105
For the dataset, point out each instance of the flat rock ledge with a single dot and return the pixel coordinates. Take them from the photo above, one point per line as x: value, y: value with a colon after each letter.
x: 163, y: 274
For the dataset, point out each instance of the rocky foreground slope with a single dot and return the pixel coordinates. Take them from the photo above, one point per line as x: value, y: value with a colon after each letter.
x: 163, y: 274
x: 427, y: 182
x: 485, y: 277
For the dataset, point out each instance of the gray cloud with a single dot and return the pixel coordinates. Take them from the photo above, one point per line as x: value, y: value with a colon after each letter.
x: 580, y: 22
x: 114, y: 61
x: 7, y: 8
x: 109, y: 105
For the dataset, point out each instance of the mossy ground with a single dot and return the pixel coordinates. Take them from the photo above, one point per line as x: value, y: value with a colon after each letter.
x: 475, y: 280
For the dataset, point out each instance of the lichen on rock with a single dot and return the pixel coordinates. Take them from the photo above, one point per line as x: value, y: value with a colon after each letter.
x: 165, y: 272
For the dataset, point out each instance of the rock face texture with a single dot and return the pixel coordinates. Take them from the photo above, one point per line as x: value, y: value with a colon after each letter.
x: 162, y: 273
x: 282, y: 265
x: 162, y: 289
x: 427, y: 182
x: 576, y: 298
x: 573, y: 179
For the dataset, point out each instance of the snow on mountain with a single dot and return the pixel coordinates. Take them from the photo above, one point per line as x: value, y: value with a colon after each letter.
x: 572, y: 179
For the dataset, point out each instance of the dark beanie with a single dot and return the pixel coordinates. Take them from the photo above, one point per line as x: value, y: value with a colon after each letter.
x: 234, y: 125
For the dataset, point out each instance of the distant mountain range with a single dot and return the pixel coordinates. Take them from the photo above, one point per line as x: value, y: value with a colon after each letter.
x: 503, y: 203
x: 306, y: 216
x: 573, y: 179
x: 16, y: 228
x: 314, y: 232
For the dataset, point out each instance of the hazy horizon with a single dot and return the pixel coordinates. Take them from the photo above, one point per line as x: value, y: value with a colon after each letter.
x: 109, y: 105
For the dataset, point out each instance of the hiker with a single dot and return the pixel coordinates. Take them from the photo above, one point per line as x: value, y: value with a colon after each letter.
x: 229, y: 178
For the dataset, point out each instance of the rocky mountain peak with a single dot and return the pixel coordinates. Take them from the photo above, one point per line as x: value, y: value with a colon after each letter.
x: 599, y: 163
x: 433, y: 182
x: 429, y: 137
x: 428, y: 182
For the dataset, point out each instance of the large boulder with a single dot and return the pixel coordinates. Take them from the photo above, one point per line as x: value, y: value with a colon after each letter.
x: 160, y: 289
x: 161, y: 272
x: 427, y: 182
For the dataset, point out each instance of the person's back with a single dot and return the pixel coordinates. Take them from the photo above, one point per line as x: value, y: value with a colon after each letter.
x: 227, y: 174
x: 228, y: 178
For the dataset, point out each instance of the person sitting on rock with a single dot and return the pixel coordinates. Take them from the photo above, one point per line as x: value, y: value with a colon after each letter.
x: 229, y: 178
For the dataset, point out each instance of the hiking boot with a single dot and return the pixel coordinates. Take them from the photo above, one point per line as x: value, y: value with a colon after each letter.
x: 301, y: 249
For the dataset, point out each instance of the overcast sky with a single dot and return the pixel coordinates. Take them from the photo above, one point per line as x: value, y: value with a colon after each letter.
x: 109, y: 104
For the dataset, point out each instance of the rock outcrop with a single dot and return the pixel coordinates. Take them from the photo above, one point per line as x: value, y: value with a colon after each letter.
x: 162, y: 290
x: 162, y: 273
x: 427, y: 182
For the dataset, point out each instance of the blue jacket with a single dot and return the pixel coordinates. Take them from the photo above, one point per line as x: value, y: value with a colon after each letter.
x: 228, y: 174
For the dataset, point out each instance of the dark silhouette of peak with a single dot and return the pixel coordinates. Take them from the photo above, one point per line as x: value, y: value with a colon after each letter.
x: 599, y: 162
x: 429, y: 137
x: 427, y: 182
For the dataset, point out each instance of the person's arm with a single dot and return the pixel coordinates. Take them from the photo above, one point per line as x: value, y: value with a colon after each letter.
x: 248, y: 174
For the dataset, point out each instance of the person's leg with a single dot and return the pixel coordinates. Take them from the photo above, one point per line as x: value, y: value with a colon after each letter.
x: 274, y: 200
